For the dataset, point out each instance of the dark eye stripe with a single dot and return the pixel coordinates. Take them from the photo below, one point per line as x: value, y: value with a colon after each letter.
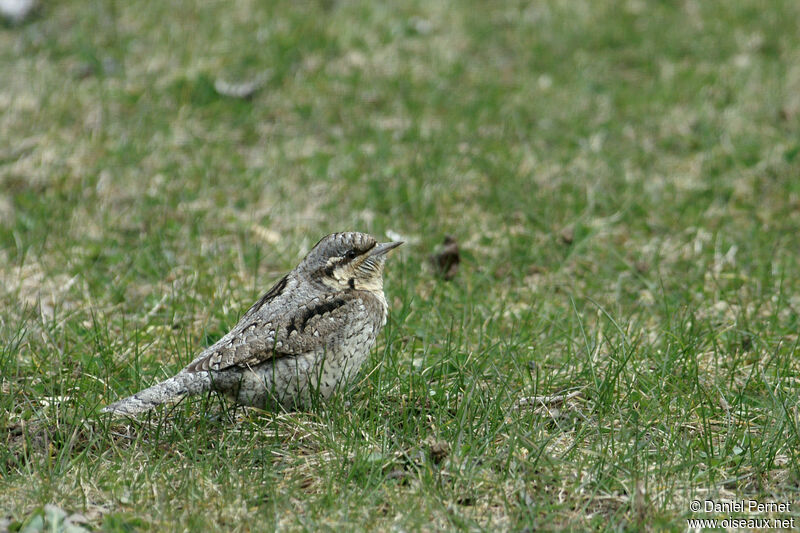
x: 355, y: 252
x: 340, y: 261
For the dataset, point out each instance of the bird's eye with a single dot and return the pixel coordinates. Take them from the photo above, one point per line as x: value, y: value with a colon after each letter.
x: 351, y: 254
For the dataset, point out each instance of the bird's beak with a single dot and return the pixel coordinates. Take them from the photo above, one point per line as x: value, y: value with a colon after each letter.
x: 383, y: 247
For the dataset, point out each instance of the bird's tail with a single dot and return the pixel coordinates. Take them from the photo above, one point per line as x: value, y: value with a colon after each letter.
x: 170, y: 390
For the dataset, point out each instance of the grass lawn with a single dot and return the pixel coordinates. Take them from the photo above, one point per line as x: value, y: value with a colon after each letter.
x: 623, y: 180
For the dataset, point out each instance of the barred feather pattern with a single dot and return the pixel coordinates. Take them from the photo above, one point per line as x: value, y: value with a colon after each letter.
x: 306, y: 336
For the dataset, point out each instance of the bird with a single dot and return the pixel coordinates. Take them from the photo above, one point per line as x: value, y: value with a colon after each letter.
x: 305, y: 338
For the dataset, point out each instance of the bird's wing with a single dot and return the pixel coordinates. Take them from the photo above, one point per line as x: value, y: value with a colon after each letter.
x: 306, y: 328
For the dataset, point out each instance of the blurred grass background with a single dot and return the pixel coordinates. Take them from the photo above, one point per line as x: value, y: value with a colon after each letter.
x: 622, y: 179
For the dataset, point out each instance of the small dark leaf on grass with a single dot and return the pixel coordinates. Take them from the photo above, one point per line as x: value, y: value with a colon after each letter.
x: 446, y: 259
x: 536, y: 269
x: 439, y: 450
x: 466, y: 501
x: 502, y: 270
x: 747, y: 343
x: 384, y: 508
x: 567, y: 235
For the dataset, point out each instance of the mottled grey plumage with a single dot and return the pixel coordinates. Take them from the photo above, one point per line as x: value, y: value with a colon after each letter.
x: 309, y: 334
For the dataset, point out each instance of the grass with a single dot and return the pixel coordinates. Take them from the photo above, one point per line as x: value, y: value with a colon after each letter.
x: 622, y: 178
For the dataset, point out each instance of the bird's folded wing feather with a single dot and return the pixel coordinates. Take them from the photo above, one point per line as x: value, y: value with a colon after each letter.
x: 259, y: 337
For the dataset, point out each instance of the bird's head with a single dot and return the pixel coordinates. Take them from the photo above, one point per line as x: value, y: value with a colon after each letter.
x: 349, y: 260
